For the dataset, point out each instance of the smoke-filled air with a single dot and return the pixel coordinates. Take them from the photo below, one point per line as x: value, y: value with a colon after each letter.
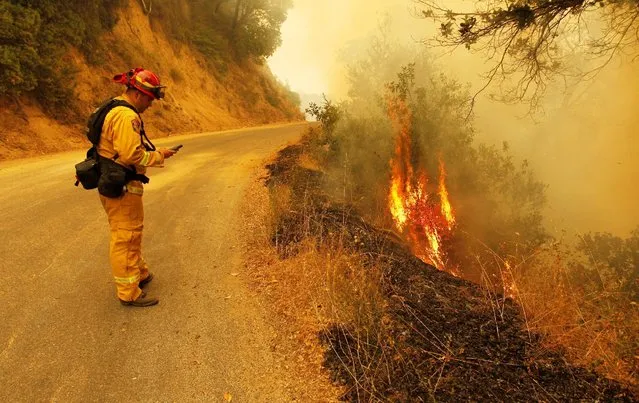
x: 580, y: 142
x: 500, y: 152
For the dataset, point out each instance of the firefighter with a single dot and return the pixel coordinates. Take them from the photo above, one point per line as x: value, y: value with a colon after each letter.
x: 123, y: 141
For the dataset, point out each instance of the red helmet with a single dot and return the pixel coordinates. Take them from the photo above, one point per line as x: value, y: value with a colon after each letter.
x: 145, y: 81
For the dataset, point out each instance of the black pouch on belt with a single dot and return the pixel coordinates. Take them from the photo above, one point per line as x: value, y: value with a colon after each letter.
x: 88, y: 173
x: 113, y: 177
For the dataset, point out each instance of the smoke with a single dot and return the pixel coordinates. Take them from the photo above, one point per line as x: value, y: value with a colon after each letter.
x: 316, y: 34
x: 583, y: 146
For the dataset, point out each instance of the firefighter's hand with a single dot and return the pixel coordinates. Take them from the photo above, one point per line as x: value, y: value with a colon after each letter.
x: 167, y: 152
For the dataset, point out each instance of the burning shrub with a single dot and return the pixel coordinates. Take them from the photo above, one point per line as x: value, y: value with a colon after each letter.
x: 454, y: 201
x: 404, y: 156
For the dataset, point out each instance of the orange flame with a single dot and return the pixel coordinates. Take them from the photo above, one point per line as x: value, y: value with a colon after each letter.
x: 447, y: 209
x: 397, y: 206
x: 416, y: 215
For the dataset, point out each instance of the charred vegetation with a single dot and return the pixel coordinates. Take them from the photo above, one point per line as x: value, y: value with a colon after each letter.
x: 438, y: 337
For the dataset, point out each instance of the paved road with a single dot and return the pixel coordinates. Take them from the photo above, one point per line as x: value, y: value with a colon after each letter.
x: 63, y: 335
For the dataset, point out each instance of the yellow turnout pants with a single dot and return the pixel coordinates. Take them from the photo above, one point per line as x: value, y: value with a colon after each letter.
x: 126, y: 219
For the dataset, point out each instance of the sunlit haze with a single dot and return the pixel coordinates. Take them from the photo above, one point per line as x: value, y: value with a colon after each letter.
x: 314, y: 35
x: 582, y: 147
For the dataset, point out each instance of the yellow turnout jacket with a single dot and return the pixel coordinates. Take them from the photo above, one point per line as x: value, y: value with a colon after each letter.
x: 121, y: 137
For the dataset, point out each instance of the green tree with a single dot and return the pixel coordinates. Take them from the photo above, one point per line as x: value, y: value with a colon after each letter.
x: 18, y: 55
x: 255, y: 26
x: 248, y: 28
x: 35, y: 35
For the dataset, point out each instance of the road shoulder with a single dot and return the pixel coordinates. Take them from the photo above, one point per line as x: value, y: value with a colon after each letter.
x: 296, y: 340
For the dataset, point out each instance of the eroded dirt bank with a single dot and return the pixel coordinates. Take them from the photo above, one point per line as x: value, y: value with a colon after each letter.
x: 199, y: 97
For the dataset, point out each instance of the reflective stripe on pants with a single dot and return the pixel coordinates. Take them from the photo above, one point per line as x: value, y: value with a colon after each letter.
x: 126, y: 219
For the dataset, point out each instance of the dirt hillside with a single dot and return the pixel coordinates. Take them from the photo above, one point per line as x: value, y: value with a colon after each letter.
x: 198, y: 99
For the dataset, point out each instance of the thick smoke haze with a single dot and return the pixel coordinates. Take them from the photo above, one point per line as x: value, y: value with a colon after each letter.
x: 316, y: 34
x: 585, y: 148
x: 584, y: 145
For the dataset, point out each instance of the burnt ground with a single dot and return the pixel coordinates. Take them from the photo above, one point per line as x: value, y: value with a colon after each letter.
x: 441, y: 338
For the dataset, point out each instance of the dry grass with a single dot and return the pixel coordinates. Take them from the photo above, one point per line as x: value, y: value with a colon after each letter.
x: 594, y: 335
x: 305, y: 292
x: 318, y: 285
x: 305, y: 160
x: 598, y: 330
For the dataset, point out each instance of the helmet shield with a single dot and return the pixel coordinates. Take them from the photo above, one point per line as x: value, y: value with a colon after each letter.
x: 158, y: 92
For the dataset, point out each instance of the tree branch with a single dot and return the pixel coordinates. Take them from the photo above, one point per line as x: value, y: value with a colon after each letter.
x: 528, y: 38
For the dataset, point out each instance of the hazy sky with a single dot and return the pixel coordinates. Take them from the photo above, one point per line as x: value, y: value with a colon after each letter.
x: 585, y: 147
x: 316, y: 31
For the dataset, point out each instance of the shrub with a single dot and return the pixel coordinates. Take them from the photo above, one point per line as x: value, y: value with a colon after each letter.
x: 19, y: 56
x: 614, y: 263
x: 36, y: 36
x: 328, y: 114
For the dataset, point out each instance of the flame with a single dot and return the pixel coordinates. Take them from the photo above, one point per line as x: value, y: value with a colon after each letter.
x: 447, y: 209
x: 434, y: 242
x: 397, y: 206
x: 422, y: 219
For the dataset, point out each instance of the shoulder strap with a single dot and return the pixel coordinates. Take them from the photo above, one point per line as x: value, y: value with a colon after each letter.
x: 96, y: 120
